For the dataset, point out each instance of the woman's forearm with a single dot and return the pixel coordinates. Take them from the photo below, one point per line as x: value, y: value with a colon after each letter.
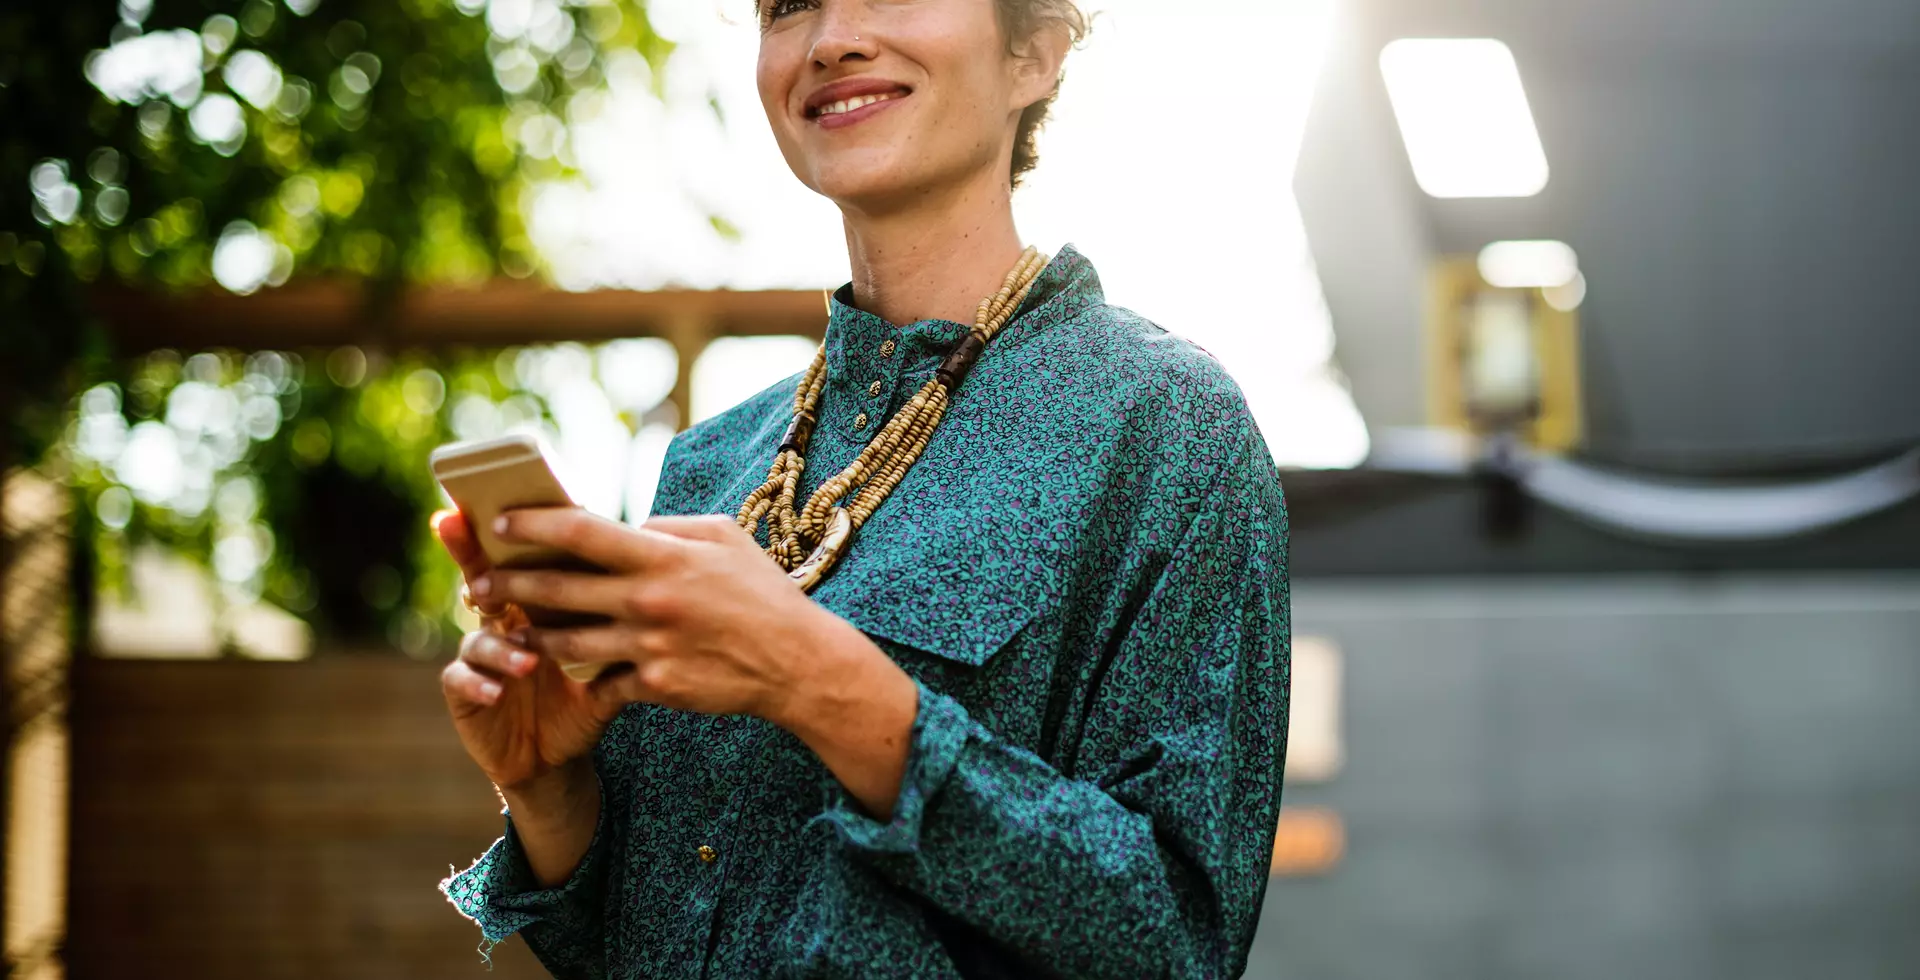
x: 554, y: 818
x: 855, y: 710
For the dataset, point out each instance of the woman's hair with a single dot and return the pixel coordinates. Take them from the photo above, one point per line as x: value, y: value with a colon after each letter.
x: 1021, y: 19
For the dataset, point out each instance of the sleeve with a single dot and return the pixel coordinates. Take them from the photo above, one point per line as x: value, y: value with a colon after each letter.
x: 563, y: 925
x: 1154, y: 864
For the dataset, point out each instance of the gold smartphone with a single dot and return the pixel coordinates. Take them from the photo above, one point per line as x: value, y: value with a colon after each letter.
x: 488, y: 477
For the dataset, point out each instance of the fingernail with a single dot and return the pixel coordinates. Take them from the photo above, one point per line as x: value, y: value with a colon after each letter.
x: 500, y: 525
x: 489, y: 691
x: 519, y: 661
x: 481, y: 586
x: 518, y: 637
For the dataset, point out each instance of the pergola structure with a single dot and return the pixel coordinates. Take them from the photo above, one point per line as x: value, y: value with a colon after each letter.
x: 496, y: 314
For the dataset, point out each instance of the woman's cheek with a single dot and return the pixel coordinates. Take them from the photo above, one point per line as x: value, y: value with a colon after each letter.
x: 773, y: 77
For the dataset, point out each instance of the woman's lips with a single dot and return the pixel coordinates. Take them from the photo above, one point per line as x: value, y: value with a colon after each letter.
x: 853, y: 111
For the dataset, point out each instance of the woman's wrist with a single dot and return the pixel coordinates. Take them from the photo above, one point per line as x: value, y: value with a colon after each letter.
x: 854, y: 707
x: 554, y: 796
x: 835, y: 670
x: 554, y: 819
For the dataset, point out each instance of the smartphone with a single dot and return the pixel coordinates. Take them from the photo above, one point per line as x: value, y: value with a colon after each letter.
x: 488, y: 477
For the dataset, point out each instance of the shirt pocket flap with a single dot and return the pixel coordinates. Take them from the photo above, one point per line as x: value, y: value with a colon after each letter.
x: 957, y: 596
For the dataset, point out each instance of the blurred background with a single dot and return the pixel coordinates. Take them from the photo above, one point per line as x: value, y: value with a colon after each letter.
x: 1579, y: 330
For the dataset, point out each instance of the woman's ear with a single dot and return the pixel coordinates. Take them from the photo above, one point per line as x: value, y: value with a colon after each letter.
x: 1037, y: 62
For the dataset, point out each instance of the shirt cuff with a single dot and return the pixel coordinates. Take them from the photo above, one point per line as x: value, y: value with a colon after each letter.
x: 499, y: 892
x: 940, y: 731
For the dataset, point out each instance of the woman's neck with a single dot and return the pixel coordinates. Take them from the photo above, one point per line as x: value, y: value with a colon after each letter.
x: 937, y: 260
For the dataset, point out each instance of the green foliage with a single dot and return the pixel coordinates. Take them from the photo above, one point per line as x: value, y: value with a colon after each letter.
x: 193, y: 144
x: 381, y: 139
x: 298, y: 477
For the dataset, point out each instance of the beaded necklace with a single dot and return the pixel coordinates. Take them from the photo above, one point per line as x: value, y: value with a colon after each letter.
x: 808, y: 543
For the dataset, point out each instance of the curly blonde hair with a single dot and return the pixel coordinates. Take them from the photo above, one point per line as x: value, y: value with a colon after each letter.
x: 1020, y: 19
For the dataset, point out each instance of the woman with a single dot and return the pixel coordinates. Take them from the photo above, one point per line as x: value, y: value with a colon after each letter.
x: 1030, y: 721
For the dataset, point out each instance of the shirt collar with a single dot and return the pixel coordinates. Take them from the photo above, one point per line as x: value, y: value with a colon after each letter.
x: 1067, y: 285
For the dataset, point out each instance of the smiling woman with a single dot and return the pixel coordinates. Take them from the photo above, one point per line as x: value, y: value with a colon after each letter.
x: 1018, y: 19
x: 963, y: 653
x: 969, y: 83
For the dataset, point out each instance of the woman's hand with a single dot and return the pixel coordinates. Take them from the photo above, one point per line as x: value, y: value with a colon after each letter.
x: 710, y: 624
x: 522, y: 720
x: 707, y: 622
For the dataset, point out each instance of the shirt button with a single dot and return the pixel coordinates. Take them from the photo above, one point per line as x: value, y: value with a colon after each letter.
x: 861, y: 421
x: 886, y: 349
x: 873, y: 390
x: 707, y: 854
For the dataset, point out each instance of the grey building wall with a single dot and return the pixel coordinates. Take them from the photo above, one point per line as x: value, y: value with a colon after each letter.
x: 1643, y: 777
x: 1737, y: 178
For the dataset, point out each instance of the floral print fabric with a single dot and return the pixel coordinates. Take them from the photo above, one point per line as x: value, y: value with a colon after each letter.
x: 1086, y: 574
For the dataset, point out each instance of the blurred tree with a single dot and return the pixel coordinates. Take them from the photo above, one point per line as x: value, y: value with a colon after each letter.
x: 170, y: 143
x: 191, y: 144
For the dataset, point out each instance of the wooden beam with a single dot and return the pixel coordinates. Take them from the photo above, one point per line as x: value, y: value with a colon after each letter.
x: 499, y: 313
x: 690, y: 335
x: 36, y: 630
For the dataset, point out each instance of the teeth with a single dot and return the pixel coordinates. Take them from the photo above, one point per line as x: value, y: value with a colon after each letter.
x: 848, y: 105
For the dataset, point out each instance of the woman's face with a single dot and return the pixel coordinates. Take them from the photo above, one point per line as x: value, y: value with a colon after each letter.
x: 878, y: 102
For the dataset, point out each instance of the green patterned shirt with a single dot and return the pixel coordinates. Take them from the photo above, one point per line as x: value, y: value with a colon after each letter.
x: 1086, y: 575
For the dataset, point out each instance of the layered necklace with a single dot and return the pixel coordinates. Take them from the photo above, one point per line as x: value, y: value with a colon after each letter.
x: 808, y: 542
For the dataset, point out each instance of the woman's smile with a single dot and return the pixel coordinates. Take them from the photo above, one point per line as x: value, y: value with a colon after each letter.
x: 853, y: 100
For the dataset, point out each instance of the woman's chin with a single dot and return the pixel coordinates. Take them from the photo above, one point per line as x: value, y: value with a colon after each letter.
x: 889, y: 175
x: 869, y: 185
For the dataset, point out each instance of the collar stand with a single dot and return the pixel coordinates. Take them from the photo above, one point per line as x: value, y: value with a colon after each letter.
x: 855, y: 336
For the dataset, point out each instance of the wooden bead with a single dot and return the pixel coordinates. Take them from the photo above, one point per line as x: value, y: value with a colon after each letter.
x: 799, y: 434
x: 814, y: 538
x: 953, y: 370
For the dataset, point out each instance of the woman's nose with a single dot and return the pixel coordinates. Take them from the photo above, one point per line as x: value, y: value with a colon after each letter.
x: 843, y: 33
